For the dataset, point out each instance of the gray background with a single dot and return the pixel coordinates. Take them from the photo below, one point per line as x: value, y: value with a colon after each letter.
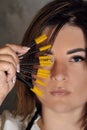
x: 15, y: 16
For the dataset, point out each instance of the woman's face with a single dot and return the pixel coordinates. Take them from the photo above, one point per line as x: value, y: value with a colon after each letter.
x: 67, y: 86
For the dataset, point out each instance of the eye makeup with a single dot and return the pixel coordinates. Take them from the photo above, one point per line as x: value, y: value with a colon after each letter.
x: 77, y: 58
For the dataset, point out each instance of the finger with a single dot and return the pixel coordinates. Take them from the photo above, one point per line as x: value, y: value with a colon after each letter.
x: 9, y: 68
x: 18, y: 48
x: 5, y: 87
x: 8, y: 51
x: 11, y: 83
x: 8, y: 58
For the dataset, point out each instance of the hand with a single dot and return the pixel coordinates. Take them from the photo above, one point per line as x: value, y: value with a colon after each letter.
x: 9, y: 65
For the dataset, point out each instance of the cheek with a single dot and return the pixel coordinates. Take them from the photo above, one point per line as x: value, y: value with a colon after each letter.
x: 79, y: 84
x: 78, y: 74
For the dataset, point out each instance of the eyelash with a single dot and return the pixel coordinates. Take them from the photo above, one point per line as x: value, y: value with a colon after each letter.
x: 77, y: 59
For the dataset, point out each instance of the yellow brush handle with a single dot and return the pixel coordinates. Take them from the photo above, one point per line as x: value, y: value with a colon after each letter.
x: 48, y: 57
x: 37, y: 91
x: 40, y: 39
x: 40, y: 82
x: 43, y: 71
x: 45, y: 63
x: 45, y: 48
x: 43, y: 76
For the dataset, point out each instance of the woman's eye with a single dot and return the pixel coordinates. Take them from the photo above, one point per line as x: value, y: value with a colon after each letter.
x: 77, y: 59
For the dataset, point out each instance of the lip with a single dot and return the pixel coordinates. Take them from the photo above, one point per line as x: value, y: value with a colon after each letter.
x: 60, y: 92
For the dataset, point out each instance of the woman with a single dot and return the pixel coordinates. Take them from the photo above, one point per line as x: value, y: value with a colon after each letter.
x: 64, y: 101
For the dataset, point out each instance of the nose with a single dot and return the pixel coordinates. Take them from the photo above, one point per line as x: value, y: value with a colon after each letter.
x: 59, y: 72
x: 58, y: 78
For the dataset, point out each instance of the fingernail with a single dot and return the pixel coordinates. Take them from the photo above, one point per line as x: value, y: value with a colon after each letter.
x: 14, y: 80
x: 26, y: 48
x: 21, y: 57
x: 18, y: 68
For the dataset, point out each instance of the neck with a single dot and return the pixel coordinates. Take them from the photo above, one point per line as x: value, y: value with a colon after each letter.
x: 60, y: 121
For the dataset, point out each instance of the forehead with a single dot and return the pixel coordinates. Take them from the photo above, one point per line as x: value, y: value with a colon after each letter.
x: 69, y: 37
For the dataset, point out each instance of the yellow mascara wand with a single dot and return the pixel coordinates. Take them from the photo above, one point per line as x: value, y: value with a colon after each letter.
x: 36, y: 91
x: 43, y: 75
x: 45, y: 63
x: 40, y: 39
x: 41, y: 49
x: 45, y: 47
x: 40, y: 82
x: 39, y: 72
x: 43, y: 71
x: 46, y: 60
x: 41, y: 60
x: 47, y: 57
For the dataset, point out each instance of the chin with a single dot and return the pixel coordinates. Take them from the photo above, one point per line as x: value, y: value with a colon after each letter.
x: 62, y: 108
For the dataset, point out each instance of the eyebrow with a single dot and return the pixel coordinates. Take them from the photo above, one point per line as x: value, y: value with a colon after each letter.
x: 76, y: 50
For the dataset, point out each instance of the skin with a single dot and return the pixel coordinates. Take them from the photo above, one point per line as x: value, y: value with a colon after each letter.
x: 9, y: 63
x: 66, y: 92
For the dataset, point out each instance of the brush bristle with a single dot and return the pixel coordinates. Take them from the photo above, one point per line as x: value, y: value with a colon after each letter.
x: 27, y: 65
